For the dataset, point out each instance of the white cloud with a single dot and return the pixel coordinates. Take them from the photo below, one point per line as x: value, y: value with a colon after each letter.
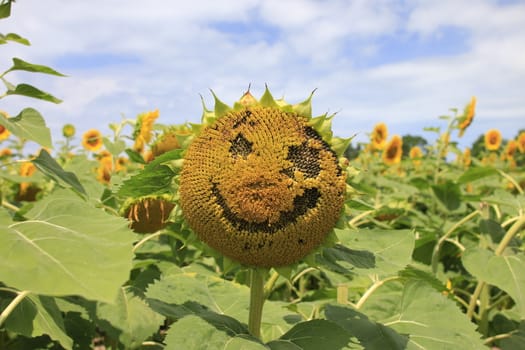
x: 178, y: 53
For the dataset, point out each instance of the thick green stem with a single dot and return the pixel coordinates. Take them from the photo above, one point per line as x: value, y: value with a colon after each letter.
x: 257, y: 298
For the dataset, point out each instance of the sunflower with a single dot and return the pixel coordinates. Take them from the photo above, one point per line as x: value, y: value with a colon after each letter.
x: 261, y: 182
x: 172, y: 138
x: 68, y: 130
x: 148, y: 214
x: 143, y: 129
x: 415, y: 154
x: 510, y: 149
x: 5, y: 153
x: 444, y: 141
x: 27, y: 191
x: 379, y: 136
x: 92, y: 140
x: 4, y: 133
x: 105, y: 169
x: 393, y: 151
x: 466, y: 157
x: 468, y: 116
x: 492, y: 139
x: 521, y: 142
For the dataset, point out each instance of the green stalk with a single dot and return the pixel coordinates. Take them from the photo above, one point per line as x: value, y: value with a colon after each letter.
x: 12, y: 305
x: 437, y: 247
x: 257, y: 298
x: 513, y: 230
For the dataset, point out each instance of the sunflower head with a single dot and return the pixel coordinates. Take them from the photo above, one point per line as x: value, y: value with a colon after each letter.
x: 68, y: 130
x: 27, y: 191
x: 468, y: 115
x: 143, y: 129
x: 148, y: 214
x: 261, y: 182
x: 4, y: 133
x: 521, y: 142
x: 510, y: 149
x: 92, y: 140
x: 492, y: 139
x: 5, y: 153
x: 379, y: 136
x: 393, y: 151
x: 416, y: 154
x: 466, y: 157
x: 172, y: 138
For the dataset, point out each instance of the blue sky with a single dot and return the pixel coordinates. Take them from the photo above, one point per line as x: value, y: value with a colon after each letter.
x: 403, y: 62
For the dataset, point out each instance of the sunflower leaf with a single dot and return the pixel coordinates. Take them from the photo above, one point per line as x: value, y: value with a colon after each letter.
x: 42, y: 254
x: 19, y: 64
x: 31, y: 91
x: 46, y: 164
x: 30, y: 125
x: 36, y: 316
x: 155, y: 178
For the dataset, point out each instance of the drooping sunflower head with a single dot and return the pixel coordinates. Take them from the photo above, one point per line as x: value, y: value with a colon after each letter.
x: 393, y: 151
x: 148, y: 214
x: 172, y: 138
x: 92, y: 140
x: 493, y: 139
x: 379, y: 136
x: 510, y: 149
x: 143, y: 129
x: 261, y: 182
x: 468, y: 115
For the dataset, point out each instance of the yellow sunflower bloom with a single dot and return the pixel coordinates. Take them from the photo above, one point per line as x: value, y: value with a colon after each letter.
x: 261, y: 182
x: 105, y: 169
x: 27, y: 191
x: 92, y: 140
x: 5, y: 153
x: 4, y: 133
x: 510, y: 149
x: 169, y: 140
x: 393, y: 151
x: 467, y: 159
x: 416, y: 154
x: 143, y: 129
x: 493, y: 139
x: 468, y: 116
x: 521, y: 142
x: 379, y: 136
x: 68, y: 130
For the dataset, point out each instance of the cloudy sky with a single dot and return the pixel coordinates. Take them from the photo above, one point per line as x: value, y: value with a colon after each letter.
x: 402, y: 62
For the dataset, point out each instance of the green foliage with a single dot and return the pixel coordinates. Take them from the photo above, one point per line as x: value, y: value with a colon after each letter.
x: 45, y: 163
x: 41, y: 254
x: 30, y: 125
x: 427, y: 255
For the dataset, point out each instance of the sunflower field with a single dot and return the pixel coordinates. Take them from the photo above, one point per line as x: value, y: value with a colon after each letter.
x: 256, y: 229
